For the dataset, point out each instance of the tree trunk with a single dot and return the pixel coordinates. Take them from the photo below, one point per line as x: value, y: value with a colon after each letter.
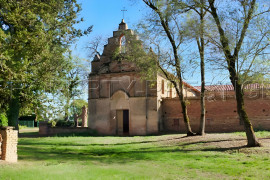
x: 179, y: 90
x: 13, y: 111
x: 66, y: 118
x: 251, y: 138
x: 234, y: 76
x: 202, y: 65
x: 186, y: 118
x: 202, y: 102
x: 180, y: 93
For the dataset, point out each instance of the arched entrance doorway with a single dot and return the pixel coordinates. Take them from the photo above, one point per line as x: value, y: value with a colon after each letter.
x: 120, y: 105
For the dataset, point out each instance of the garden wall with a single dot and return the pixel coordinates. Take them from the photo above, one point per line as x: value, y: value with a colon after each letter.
x: 46, y: 130
x: 221, y: 114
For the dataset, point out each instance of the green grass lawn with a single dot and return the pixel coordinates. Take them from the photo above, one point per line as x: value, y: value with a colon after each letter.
x: 215, y: 156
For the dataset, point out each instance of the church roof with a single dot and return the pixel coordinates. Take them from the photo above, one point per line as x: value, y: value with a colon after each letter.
x: 254, y: 86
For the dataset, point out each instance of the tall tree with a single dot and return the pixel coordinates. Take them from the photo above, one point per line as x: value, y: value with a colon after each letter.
x: 163, y: 12
x: 77, y: 105
x: 198, y: 8
x: 73, y: 85
x: 34, y: 37
x: 242, y: 16
x: 201, y: 46
x: 200, y: 39
x: 195, y: 28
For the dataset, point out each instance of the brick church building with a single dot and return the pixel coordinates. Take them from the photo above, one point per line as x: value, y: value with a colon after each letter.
x: 120, y: 101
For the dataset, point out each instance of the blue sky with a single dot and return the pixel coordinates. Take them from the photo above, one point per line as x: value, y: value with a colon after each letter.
x: 105, y: 15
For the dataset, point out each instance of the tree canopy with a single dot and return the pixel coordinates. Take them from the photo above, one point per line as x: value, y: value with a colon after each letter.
x: 34, y: 40
x: 237, y: 37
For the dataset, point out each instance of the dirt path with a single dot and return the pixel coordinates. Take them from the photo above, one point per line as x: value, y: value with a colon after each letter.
x: 218, y: 142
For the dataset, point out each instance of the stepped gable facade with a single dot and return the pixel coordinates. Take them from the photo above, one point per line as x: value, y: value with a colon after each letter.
x: 120, y: 102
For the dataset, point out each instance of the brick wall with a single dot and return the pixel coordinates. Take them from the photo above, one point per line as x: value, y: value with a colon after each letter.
x: 62, y: 130
x: 221, y: 115
x: 9, y: 144
x: 46, y: 130
x: 43, y: 128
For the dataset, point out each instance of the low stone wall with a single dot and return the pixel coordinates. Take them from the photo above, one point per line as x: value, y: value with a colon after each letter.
x: 221, y: 115
x: 43, y: 128
x: 9, y: 144
x: 46, y: 130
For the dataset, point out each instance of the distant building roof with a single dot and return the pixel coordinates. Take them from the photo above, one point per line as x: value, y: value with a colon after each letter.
x: 191, y: 87
x: 184, y: 83
x: 231, y: 88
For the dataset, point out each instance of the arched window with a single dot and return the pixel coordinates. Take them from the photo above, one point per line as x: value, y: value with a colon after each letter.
x: 123, y: 44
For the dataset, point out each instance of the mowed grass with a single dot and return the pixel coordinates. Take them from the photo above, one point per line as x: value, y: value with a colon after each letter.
x: 148, y: 157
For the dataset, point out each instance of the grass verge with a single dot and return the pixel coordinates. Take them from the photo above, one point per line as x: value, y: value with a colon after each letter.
x: 215, y: 156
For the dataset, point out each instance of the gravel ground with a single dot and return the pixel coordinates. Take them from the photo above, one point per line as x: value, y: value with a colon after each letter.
x: 217, y: 142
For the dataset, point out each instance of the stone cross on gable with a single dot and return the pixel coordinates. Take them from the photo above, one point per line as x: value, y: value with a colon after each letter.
x: 124, y: 10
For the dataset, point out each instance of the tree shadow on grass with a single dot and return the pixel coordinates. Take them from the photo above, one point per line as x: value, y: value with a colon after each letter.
x: 106, y: 155
x: 214, y: 147
x: 207, y: 141
x: 111, y: 154
x: 220, y: 149
x: 31, y: 142
x: 31, y: 150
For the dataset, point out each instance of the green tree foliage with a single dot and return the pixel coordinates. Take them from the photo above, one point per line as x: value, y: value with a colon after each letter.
x: 243, y: 29
x: 3, y: 119
x: 239, y: 37
x: 139, y: 53
x: 73, y: 85
x: 199, y: 35
x: 166, y: 26
x: 34, y: 38
x: 76, y: 106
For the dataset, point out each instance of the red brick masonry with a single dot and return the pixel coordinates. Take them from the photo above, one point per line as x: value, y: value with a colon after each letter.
x: 221, y: 115
x: 46, y: 130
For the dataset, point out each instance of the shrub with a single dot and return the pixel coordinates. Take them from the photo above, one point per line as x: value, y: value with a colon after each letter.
x: 79, y: 122
x: 259, y: 128
x: 22, y: 126
x: 63, y: 123
x: 3, y: 119
x: 52, y: 123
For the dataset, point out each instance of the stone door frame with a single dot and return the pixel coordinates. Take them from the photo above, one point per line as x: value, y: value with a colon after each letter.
x: 120, y: 122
